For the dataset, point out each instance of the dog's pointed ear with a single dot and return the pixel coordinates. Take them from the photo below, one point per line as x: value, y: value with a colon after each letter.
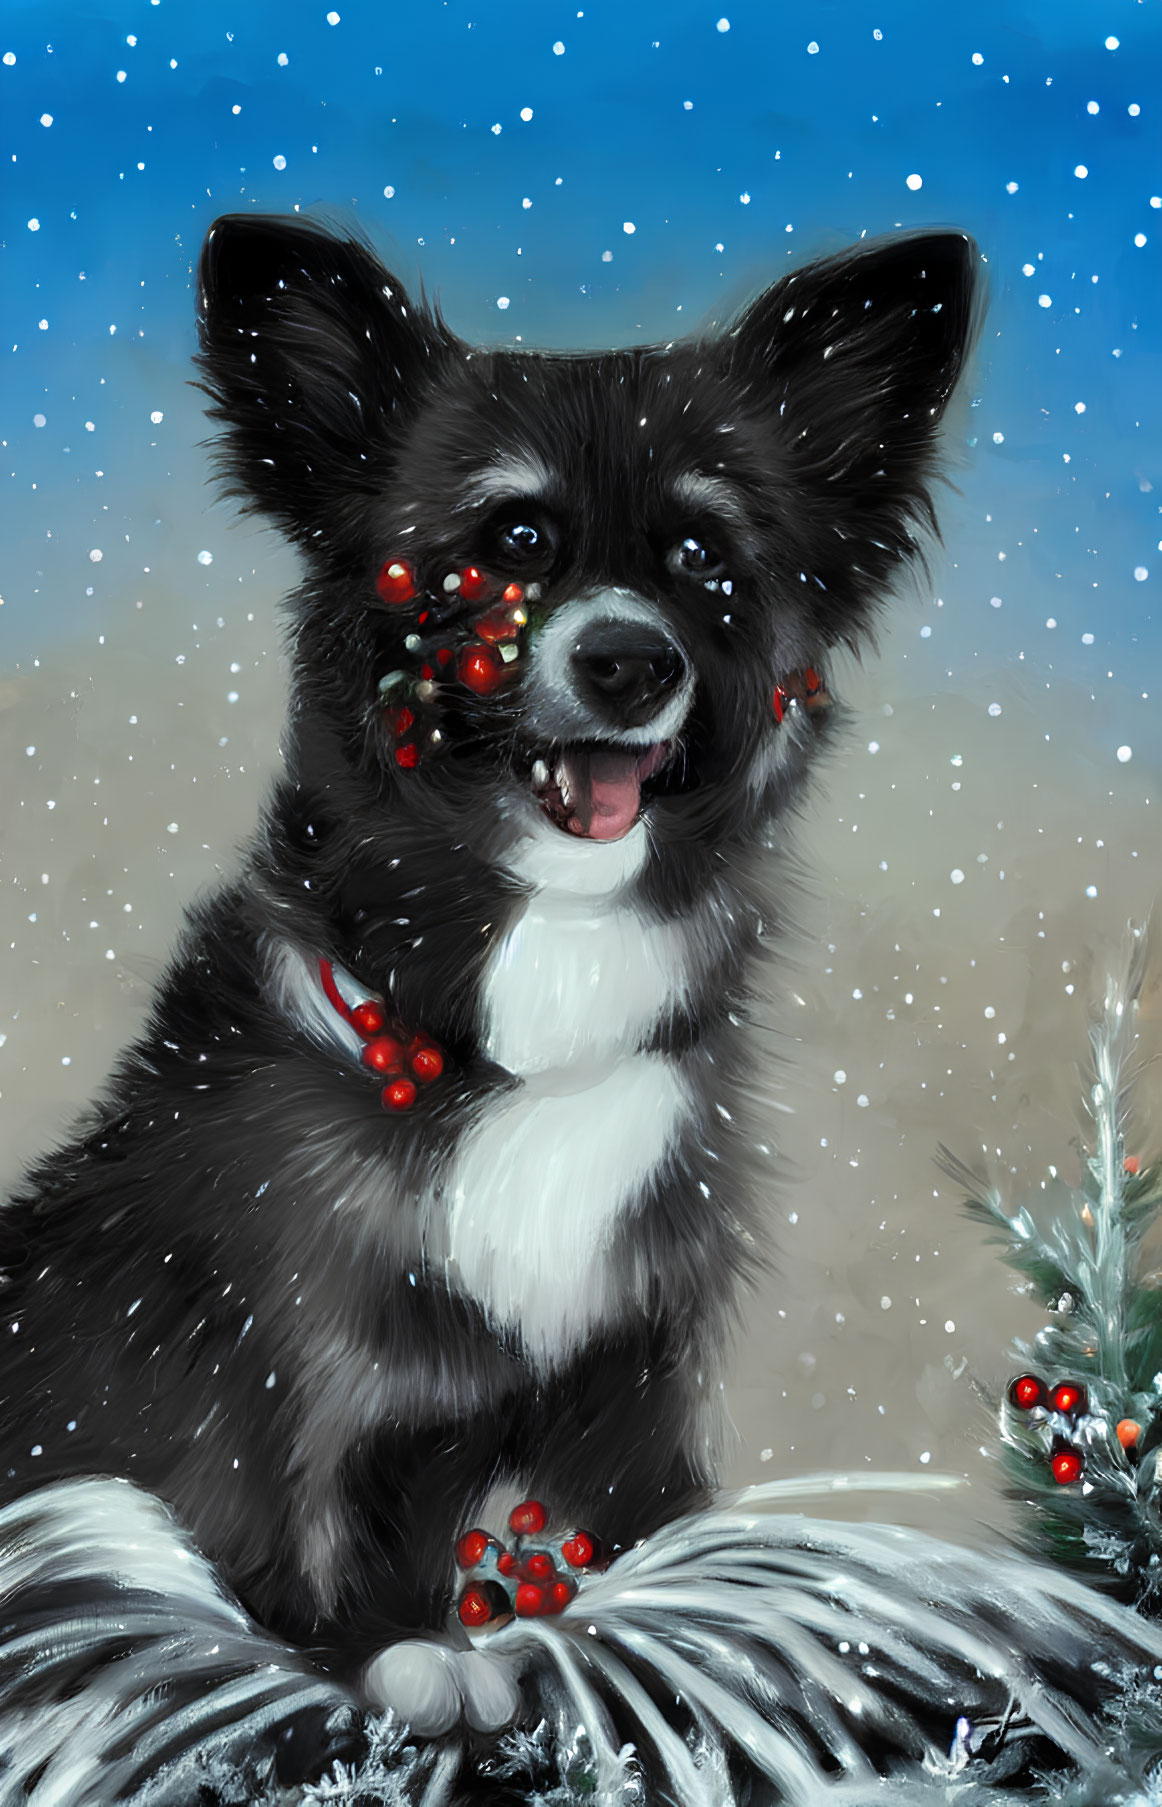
x: 312, y: 355
x: 850, y: 362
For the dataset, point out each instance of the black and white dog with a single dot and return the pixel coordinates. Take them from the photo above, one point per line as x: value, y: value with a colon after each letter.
x: 424, y: 1178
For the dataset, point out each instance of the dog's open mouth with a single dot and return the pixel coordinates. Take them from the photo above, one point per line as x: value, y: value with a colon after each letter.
x: 595, y: 790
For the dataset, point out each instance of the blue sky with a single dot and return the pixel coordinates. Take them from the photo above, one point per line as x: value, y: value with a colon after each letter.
x: 591, y: 176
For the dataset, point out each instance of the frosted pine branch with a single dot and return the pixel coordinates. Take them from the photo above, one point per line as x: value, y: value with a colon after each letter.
x: 1082, y: 1432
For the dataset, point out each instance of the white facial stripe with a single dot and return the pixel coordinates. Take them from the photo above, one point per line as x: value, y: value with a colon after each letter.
x: 715, y: 495
x: 552, y: 698
x: 515, y: 475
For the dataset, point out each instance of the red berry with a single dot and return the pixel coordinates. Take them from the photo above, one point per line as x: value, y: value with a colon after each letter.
x: 779, y: 701
x: 399, y: 718
x: 560, y: 1595
x: 444, y: 656
x: 1068, y: 1397
x: 498, y: 624
x: 368, y: 1018
x: 427, y: 1063
x: 481, y: 669
x: 528, y: 1518
x: 471, y: 1548
x: 530, y: 1600
x: 408, y: 756
x: 1127, y: 1431
x: 578, y: 1550
x: 475, y: 1608
x: 811, y: 680
x: 383, y: 1055
x: 1027, y: 1391
x: 506, y: 1563
x: 400, y: 1095
x: 473, y: 584
x: 396, y: 581
x: 1066, y: 1466
x: 1132, y: 1164
x: 540, y: 1567
x: 512, y: 593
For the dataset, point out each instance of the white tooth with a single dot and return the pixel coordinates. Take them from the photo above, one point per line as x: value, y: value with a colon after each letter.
x: 540, y: 774
x: 562, y: 779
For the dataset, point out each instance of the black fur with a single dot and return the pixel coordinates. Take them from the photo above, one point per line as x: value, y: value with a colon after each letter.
x: 238, y: 1204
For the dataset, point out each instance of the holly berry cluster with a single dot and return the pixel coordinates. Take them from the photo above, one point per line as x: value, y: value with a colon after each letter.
x: 1084, y: 1451
x: 531, y: 1580
x: 803, y: 689
x: 402, y: 1060
x: 1060, y: 1410
x: 479, y: 662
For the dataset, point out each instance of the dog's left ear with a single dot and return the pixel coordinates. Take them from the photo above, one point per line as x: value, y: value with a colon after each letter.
x: 313, y: 358
x: 850, y: 363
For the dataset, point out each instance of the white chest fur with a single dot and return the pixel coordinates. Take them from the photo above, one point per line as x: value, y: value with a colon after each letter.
x: 538, y: 1187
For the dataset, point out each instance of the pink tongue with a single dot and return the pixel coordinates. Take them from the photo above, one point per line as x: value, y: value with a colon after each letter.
x: 615, y: 794
x: 606, y: 786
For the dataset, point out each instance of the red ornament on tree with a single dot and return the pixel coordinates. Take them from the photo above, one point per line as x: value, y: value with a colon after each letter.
x: 1068, y: 1397
x: 1027, y: 1391
x: 396, y: 582
x: 1067, y: 1466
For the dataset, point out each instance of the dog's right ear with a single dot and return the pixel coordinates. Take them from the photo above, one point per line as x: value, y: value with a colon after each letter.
x: 312, y: 356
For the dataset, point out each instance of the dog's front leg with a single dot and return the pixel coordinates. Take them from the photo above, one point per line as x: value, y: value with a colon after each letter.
x: 628, y: 1446
x: 410, y: 1497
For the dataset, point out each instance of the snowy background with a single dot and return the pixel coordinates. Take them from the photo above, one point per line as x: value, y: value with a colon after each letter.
x: 582, y: 178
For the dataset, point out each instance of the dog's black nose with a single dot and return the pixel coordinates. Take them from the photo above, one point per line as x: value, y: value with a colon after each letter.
x: 625, y: 671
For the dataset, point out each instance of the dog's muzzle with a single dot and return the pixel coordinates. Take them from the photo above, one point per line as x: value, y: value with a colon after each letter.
x: 626, y: 672
x: 608, y: 693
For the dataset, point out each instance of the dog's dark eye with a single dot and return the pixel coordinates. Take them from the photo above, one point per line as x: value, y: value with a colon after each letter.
x: 518, y: 540
x: 691, y: 558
